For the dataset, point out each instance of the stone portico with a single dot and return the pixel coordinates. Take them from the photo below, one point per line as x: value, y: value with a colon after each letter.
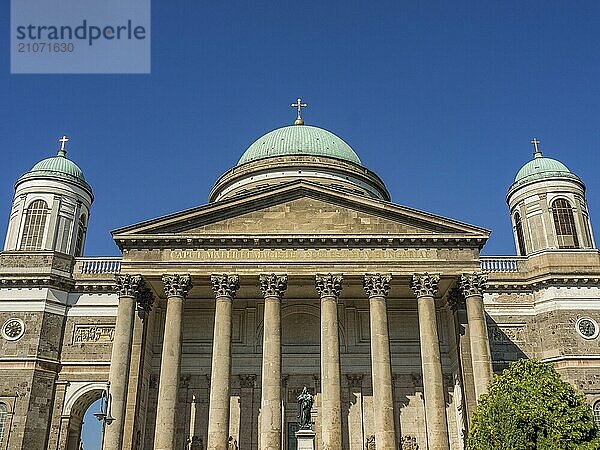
x: 356, y: 316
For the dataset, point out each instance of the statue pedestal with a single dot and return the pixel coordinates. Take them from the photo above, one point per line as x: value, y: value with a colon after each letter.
x: 305, y: 440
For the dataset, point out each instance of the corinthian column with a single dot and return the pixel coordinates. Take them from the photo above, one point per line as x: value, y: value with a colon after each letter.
x: 329, y: 287
x: 224, y: 287
x: 129, y: 288
x: 472, y: 286
x: 176, y: 289
x: 425, y: 287
x: 377, y: 288
x: 272, y: 287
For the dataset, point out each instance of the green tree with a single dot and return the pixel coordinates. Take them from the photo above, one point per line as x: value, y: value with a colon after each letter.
x: 529, y: 407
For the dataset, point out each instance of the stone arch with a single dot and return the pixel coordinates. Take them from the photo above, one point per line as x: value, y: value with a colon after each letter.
x: 78, y: 398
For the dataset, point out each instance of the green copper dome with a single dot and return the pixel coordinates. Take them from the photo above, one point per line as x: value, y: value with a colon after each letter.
x: 299, y: 140
x: 541, y: 167
x: 58, y: 167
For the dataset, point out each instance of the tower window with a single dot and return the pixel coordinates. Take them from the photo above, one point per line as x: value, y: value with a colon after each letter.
x: 520, y: 235
x: 35, y: 223
x: 597, y: 413
x: 81, y: 227
x: 3, y: 416
x: 564, y: 224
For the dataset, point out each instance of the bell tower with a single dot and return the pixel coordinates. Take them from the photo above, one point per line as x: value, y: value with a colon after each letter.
x: 548, y: 207
x: 51, y: 207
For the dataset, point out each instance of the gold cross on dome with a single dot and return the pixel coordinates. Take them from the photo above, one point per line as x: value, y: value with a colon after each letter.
x: 299, y: 105
x: 535, y: 142
x: 63, y: 141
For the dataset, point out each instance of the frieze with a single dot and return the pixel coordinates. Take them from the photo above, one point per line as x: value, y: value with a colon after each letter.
x: 322, y: 254
x: 93, y: 334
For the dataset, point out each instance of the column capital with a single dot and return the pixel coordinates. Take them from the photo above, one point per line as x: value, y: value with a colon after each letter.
x: 224, y: 285
x: 177, y: 285
x: 145, y: 300
x: 329, y: 285
x: 377, y: 285
x: 273, y: 285
x: 425, y: 284
x: 473, y: 283
x: 129, y: 285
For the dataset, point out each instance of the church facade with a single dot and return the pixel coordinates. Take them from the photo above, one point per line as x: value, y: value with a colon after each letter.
x: 300, y: 272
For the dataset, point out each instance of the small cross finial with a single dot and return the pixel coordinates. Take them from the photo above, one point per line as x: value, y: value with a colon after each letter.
x: 299, y: 105
x: 62, y: 151
x: 536, y: 142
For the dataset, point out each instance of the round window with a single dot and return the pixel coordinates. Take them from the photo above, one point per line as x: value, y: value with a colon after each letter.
x: 13, y: 329
x: 587, y: 328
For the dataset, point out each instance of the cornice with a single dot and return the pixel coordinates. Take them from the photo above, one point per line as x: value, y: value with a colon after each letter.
x: 540, y: 283
x: 150, y: 242
x: 53, y: 281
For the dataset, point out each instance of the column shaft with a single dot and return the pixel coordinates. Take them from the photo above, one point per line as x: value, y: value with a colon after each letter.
x: 377, y: 287
x: 472, y: 286
x: 331, y: 418
x: 270, y: 406
x: 218, y: 414
x: 170, y: 368
x: 385, y: 433
x: 329, y: 287
x: 120, y: 360
x: 272, y: 287
x: 425, y: 287
x: 176, y: 288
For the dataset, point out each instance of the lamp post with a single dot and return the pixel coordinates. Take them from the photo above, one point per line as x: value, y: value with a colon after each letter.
x: 103, y: 414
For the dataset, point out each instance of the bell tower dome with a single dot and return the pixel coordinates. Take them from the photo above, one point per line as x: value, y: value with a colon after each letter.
x: 548, y: 207
x: 51, y: 207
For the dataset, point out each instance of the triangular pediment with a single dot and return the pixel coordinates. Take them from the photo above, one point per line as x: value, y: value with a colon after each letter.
x: 300, y: 209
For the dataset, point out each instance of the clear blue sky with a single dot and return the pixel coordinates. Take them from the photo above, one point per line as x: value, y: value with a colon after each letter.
x: 440, y: 99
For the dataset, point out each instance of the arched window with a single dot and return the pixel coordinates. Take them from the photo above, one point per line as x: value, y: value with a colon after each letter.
x: 81, y: 227
x: 520, y: 235
x: 597, y: 413
x: 35, y: 222
x: 564, y: 224
x: 3, y: 416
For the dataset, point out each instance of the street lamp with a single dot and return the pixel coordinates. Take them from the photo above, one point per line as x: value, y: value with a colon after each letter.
x: 103, y: 414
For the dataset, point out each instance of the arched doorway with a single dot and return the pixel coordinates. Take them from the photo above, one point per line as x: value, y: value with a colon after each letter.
x: 81, y: 403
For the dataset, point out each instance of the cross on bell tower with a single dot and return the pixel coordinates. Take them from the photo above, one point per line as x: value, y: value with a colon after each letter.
x: 536, y: 153
x: 299, y: 105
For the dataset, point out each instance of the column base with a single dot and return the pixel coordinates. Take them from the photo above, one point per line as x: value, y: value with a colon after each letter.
x: 305, y: 440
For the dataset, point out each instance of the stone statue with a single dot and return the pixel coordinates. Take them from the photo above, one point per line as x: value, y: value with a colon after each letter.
x: 305, y: 403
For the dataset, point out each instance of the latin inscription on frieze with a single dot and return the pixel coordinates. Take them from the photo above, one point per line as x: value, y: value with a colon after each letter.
x: 323, y: 254
x: 93, y: 334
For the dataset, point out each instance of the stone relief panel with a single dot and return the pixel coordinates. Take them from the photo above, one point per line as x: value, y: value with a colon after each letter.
x: 88, y: 339
x: 93, y: 334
